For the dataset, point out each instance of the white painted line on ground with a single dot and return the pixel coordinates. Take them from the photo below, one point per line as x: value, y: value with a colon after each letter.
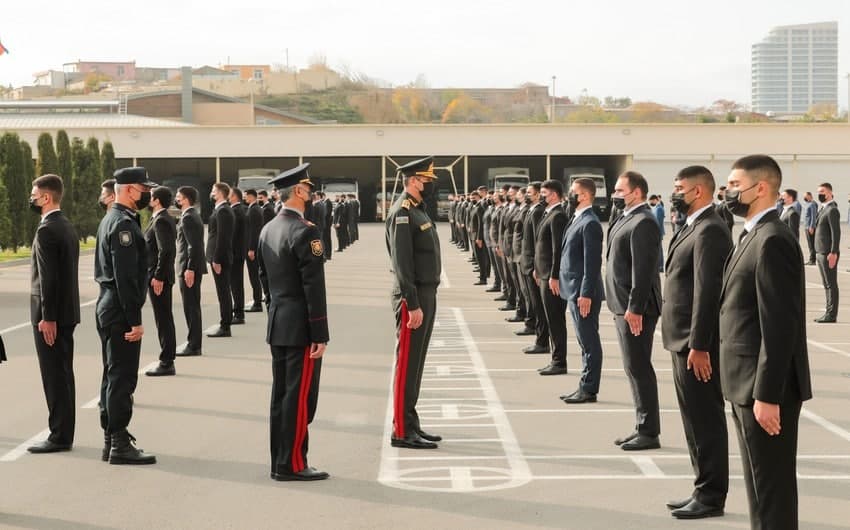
x: 453, y: 400
x: 647, y: 466
x: 444, y: 280
x: 471, y: 440
x: 440, y: 388
x: 28, y: 324
x: 826, y: 424
x: 450, y: 411
x: 462, y: 479
x: 823, y: 346
x: 545, y: 357
x: 447, y: 458
x: 580, y: 411
x: 21, y: 450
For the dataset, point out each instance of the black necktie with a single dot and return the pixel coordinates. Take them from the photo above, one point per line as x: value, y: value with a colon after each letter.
x: 741, y: 237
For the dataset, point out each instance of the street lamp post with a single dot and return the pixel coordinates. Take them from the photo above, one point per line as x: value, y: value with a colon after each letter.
x: 552, y: 106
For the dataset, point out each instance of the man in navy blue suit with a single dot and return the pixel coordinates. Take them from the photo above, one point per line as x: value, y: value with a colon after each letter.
x: 581, y: 286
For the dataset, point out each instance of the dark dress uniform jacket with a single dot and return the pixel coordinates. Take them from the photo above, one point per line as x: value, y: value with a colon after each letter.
x: 828, y: 230
x: 518, y: 233
x: 791, y: 219
x: 240, y: 231
x: 529, y: 236
x: 292, y: 270
x: 55, y: 292
x: 547, y: 244
x: 120, y: 267
x: 220, y: 235
x: 160, y: 241
x: 414, y: 249
x: 190, y: 243
x: 268, y: 212
x: 631, y: 277
x: 255, y: 225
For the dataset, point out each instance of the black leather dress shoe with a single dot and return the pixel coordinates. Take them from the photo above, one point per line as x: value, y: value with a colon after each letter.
x: 256, y: 308
x: 501, y: 298
x: 825, y: 320
x: 579, y: 396
x: 413, y: 441
x: 480, y: 283
x: 535, y: 349
x: 220, y: 332
x: 188, y: 353
x: 508, y: 307
x: 641, y: 442
x: 626, y: 438
x: 515, y: 318
x: 493, y: 289
x: 430, y: 437
x: 696, y: 510
x: 524, y: 332
x: 553, y: 370
x: 48, y: 447
x: 162, y: 369
x: 675, y: 505
x: 237, y: 321
x: 308, y: 473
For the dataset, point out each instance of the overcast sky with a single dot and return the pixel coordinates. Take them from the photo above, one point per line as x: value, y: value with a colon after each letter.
x: 686, y: 53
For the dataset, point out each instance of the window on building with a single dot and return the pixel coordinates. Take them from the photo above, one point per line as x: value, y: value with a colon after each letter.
x: 258, y: 73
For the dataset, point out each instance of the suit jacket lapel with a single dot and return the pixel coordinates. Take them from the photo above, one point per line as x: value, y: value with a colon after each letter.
x: 736, y: 254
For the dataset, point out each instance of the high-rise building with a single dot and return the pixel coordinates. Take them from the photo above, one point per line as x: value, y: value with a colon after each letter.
x: 796, y: 67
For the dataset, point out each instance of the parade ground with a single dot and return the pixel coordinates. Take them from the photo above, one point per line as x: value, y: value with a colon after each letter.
x: 513, y: 454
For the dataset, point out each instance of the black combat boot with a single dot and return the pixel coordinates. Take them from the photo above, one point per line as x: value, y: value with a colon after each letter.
x: 125, y: 452
x: 107, y: 445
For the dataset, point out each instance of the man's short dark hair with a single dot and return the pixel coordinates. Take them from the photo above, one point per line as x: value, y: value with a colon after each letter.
x: 636, y: 181
x: 588, y: 185
x: 52, y: 184
x: 554, y: 186
x: 826, y: 185
x: 761, y: 167
x: 536, y: 185
x: 222, y: 188
x: 506, y: 188
x: 791, y: 193
x: 163, y: 195
x: 189, y: 193
x: 482, y: 189
x: 236, y: 191
x: 251, y: 192
x: 109, y: 184
x: 698, y: 174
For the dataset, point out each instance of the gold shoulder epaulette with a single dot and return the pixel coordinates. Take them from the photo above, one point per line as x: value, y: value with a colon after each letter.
x: 405, y: 204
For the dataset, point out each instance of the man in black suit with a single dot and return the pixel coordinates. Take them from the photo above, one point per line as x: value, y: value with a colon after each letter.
x: 340, y: 221
x: 722, y: 210
x: 789, y: 214
x: 451, y: 214
x: 55, y: 309
x: 633, y: 293
x: 161, y: 243
x: 476, y: 230
x: 827, y: 249
x: 255, y: 225
x: 292, y: 266
x: 505, y: 248
x: 327, y: 243
x: 537, y: 325
x: 581, y: 286
x: 764, y: 361
x: 689, y: 326
x: 810, y: 222
x: 490, y: 221
x: 107, y: 194
x: 220, y: 254
x: 353, y: 217
x: 240, y: 252
x: 547, y: 265
x: 267, y: 206
x: 191, y: 266
x: 524, y: 312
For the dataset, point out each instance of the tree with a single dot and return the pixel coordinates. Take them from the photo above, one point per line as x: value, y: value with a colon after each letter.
x: 32, y: 219
x: 464, y: 109
x: 87, y: 188
x: 16, y: 187
x: 47, y: 161
x: 65, y: 169
x: 410, y: 106
x: 107, y: 160
x: 617, y: 103
x: 79, y: 163
x: 5, y: 219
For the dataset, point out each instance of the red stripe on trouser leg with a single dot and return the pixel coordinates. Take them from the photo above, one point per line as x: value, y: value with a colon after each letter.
x: 401, y: 372
x: 301, y: 414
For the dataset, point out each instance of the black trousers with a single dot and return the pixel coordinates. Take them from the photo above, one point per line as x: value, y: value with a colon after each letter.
x: 508, y: 279
x: 57, y: 377
x: 587, y: 335
x: 483, y: 258
x: 341, y: 238
x: 411, y: 349
x: 830, y: 284
x: 295, y: 394
x: 237, y: 287
x: 164, y: 317
x: 192, y: 311
x: 521, y: 299
x: 254, y: 279
x: 541, y: 326
x: 353, y: 233
x: 120, y: 375
x: 770, y: 466
x: 555, y: 309
x: 327, y: 243
x: 637, y: 362
x: 704, y: 421
x: 453, y: 232
x: 493, y: 262
x: 225, y: 297
x: 810, y: 238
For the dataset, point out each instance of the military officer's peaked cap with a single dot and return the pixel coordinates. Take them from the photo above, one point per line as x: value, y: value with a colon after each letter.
x: 291, y: 177
x: 424, y: 167
x: 133, y: 175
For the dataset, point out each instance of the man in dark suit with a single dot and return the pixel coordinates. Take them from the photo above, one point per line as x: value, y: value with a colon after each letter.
x: 255, y: 225
x: 506, y: 248
x: 240, y: 252
x: 451, y: 215
x: 524, y: 312
x: 220, y: 254
x: 538, y: 325
x: 789, y: 214
x: 161, y: 244
x: 581, y: 286
x: 827, y: 249
x: 763, y: 354
x: 292, y: 266
x: 55, y: 310
x: 327, y: 244
x: 490, y: 221
x: 633, y: 293
x: 340, y: 221
x: 191, y: 266
x: 476, y: 230
x: 722, y: 210
x: 267, y: 205
x: 689, y: 325
x: 353, y: 217
x: 811, y: 217
x: 547, y: 266
x: 107, y: 194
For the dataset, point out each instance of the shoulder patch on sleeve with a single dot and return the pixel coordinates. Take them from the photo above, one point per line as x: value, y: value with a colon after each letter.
x: 401, y: 220
x: 405, y: 204
x: 316, y: 247
x: 125, y: 238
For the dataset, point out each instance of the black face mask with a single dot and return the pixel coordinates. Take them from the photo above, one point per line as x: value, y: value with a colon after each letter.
x: 677, y: 201
x: 177, y: 204
x: 734, y: 204
x: 572, y: 199
x: 719, y: 197
x: 144, y: 200
x: 261, y: 203
x: 212, y: 198
x: 428, y: 189
x: 527, y: 200
x: 103, y: 205
x: 821, y: 198
x: 619, y: 203
x: 34, y: 206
